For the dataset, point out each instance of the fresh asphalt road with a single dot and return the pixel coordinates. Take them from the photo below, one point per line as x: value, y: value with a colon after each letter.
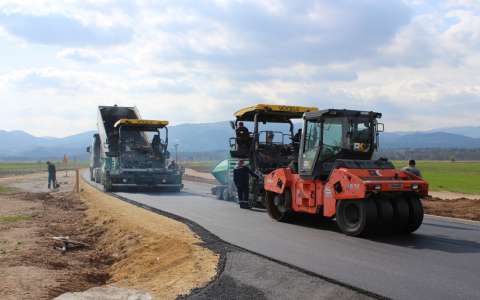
x: 440, y: 261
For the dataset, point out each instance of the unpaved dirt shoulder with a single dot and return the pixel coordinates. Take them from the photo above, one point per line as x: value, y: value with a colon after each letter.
x: 30, y: 266
x: 462, y: 208
x: 151, y: 252
x: 132, y: 252
x: 451, y: 195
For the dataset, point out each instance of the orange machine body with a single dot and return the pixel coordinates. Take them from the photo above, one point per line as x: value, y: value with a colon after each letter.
x: 315, y: 196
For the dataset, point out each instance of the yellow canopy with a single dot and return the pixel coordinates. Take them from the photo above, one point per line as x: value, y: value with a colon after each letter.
x: 287, y: 111
x: 141, y: 123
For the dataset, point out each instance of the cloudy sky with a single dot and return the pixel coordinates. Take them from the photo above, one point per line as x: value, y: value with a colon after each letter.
x: 417, y: 61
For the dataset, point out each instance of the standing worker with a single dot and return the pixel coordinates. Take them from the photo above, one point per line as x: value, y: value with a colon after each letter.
x: 412, y: 168
x: 241, y: 178
x: 297, y: 137
x: 243, y: 137
x: 52, y: 175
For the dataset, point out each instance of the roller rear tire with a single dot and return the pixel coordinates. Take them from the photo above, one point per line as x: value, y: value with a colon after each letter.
x: 385, y: 215
x: 401, y: 215
x: 357, y: 217
x: 416, y: 214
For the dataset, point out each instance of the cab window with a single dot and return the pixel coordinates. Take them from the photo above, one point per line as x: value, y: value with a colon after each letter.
x: 311, y: 145
x: 360, y: 136
x: 332, y: 138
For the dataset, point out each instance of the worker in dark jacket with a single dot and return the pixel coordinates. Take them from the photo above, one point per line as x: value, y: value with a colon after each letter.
x: 52, y: 175
x: 243, y: 137
x: 412, y: 168
x: 297, y: 137
x: 241, y: 178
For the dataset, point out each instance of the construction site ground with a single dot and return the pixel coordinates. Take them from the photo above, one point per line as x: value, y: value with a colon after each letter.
x: 132, y: 253
x: 136, y: 251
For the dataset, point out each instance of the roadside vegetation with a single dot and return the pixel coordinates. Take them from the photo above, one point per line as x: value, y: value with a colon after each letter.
x: 6, y: 189
x: 451, y: 176
x: 12, y: 219
x: 22, y: 168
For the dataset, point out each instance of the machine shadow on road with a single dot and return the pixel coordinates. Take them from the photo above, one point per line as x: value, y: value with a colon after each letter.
x: 415, y: 240
x: 314, y: 222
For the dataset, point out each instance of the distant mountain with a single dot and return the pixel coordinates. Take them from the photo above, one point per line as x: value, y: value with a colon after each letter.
x: 19, y: 145
x: 200, y: 137
x: 421, y: 140
x: 209, y: 137
x: 471, y: 131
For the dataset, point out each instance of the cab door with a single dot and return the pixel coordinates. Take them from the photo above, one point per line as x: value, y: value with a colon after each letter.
x: 310, y: 144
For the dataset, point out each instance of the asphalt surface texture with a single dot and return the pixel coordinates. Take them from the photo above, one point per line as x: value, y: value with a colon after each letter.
x: 439, y: 261
x: 248, y: 276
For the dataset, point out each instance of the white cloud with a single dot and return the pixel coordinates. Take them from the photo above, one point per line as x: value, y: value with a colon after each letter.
x: 199, y: 61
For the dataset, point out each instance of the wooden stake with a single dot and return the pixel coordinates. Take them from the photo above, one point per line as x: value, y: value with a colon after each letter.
x: 77, y: 181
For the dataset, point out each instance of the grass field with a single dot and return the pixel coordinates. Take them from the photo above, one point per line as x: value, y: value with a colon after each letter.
x: 20, y: 168
x: 460, y: 177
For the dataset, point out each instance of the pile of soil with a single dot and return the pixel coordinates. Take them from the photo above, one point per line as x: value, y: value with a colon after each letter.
x: 462, y: 208
x: 150, y: 252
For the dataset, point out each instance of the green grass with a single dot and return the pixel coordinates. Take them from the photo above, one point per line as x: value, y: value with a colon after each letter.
x: 20, y: 168
x: 460, y: 177
x: 11, y: 219
x: 6, y: 189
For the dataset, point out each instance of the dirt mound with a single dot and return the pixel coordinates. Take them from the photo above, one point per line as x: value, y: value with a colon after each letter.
x: 463, y: 208
x: 148, y: 251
